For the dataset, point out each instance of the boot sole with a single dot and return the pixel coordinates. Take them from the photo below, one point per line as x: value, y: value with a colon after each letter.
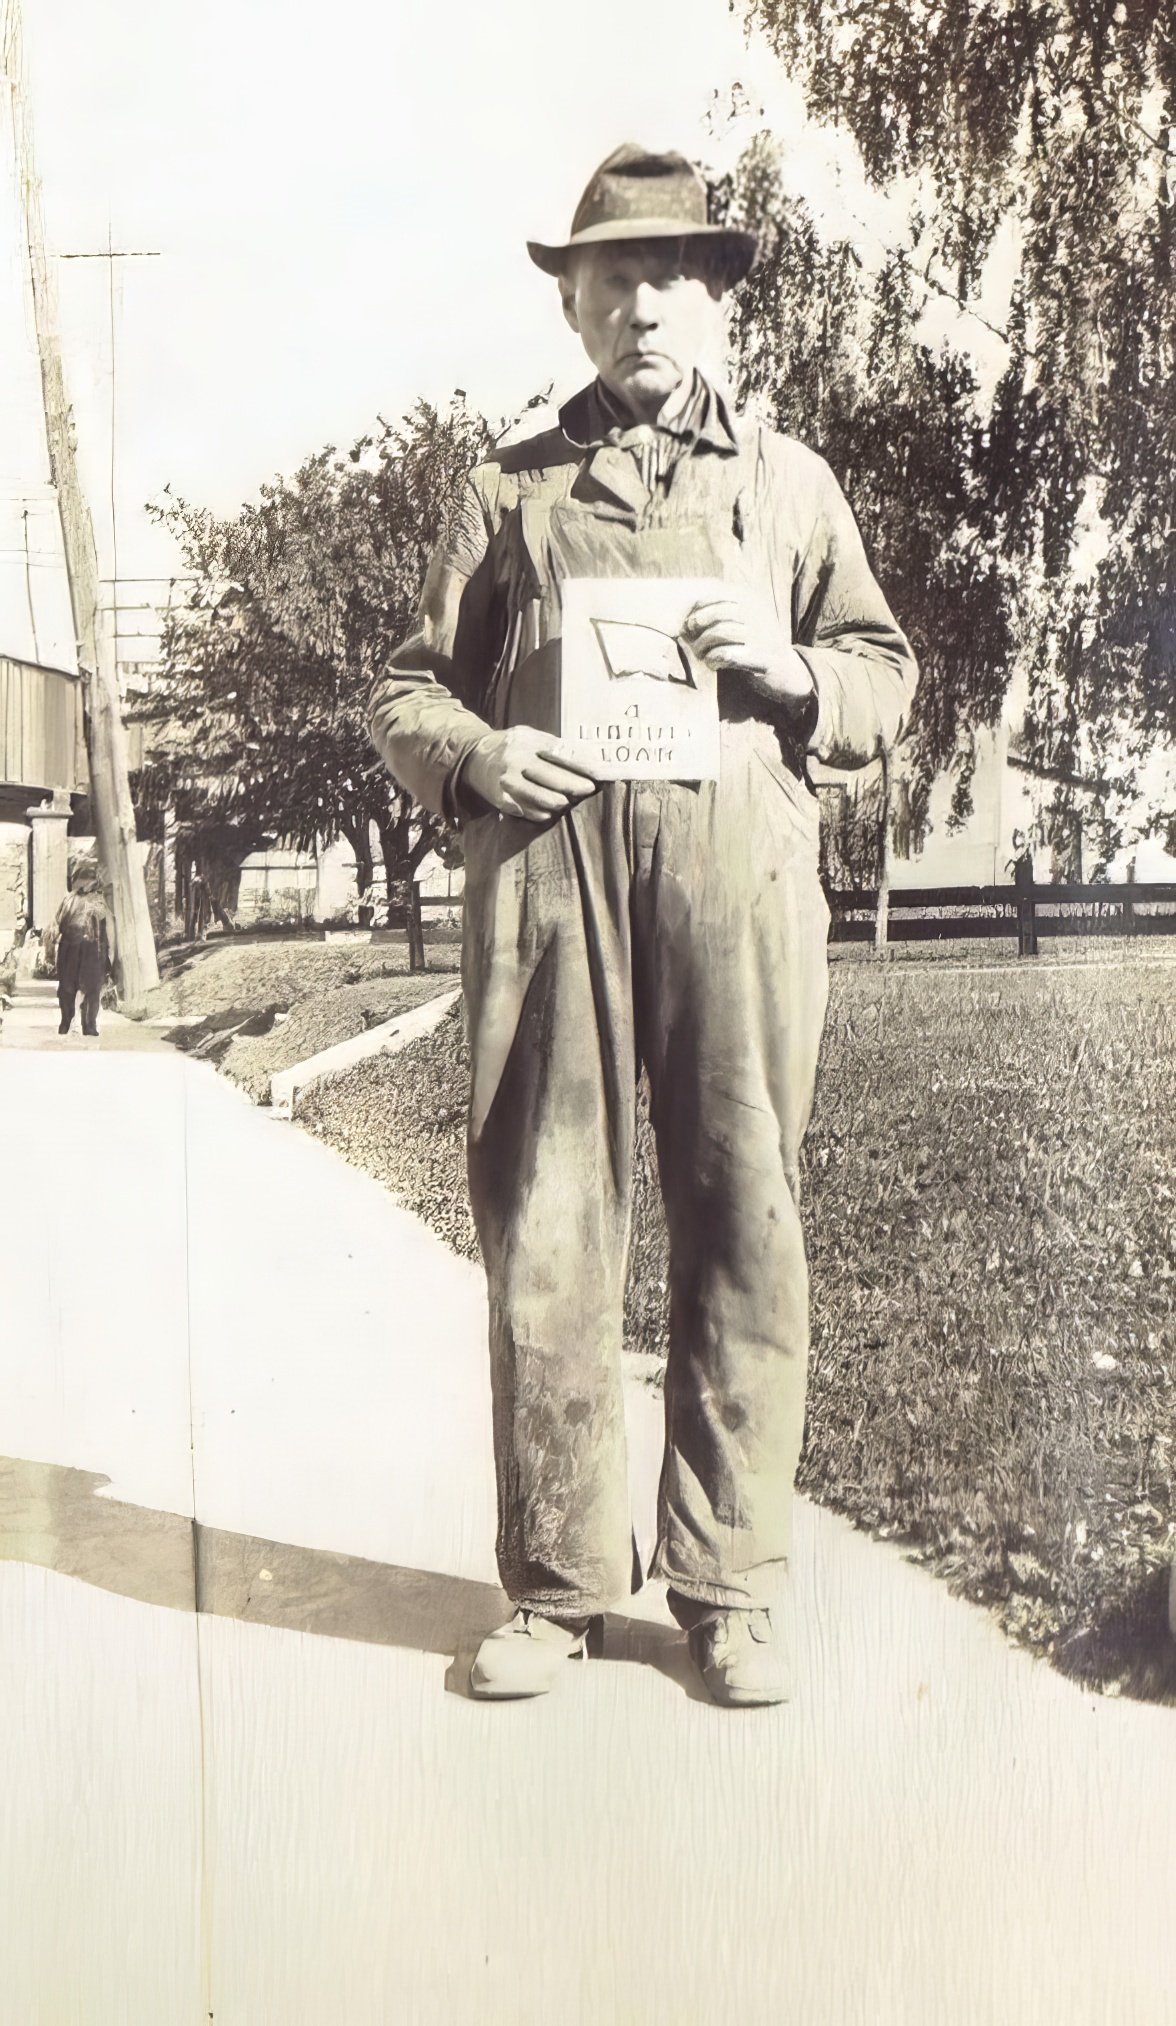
x: 488, y: 1692
x: 591, y: 1647
x: 764, y: 1698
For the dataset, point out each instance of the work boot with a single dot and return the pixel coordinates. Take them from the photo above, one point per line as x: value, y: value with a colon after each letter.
x: 741, y: 1658
x: 526, y: 1656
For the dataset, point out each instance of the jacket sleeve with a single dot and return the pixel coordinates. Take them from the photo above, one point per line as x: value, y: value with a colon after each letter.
x: 418, y: 724
x: 862, y: 666
x: 51, y: 940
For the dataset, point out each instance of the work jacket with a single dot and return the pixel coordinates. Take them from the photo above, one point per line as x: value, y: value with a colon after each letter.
x: 736, y: 501
x: 82, y: 953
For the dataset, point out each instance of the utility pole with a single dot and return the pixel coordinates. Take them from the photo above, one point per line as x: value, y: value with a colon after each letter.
x: 110, y: 795
x: 110, y: 253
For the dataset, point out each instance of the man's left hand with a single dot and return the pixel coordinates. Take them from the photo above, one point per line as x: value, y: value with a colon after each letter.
x: 740, y: 634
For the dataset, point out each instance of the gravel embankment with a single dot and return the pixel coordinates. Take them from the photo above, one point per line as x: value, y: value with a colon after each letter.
x: 401, y: 1118
x: 212, y: 978
x: 255, y: 1008
x: 320, y: 1019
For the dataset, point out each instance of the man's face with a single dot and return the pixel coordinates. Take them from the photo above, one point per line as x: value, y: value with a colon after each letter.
x: 644, y: 322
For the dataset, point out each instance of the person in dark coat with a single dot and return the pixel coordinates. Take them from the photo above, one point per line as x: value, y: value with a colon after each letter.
x: 82, y: 950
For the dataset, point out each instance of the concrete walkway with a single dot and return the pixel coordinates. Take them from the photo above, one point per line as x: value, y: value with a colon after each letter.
x: 282, y: 1810
x: 31, y: 1021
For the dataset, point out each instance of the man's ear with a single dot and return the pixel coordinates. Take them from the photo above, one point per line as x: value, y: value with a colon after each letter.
x: 567, y: 296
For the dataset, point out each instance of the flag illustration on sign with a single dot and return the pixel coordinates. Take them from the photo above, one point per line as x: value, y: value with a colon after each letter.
x: 632, y: 649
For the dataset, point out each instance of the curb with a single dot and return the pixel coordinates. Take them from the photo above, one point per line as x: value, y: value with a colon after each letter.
x: 386, y: 1039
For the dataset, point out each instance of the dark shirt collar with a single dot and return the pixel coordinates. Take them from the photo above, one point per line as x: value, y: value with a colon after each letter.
x: 593, y: 417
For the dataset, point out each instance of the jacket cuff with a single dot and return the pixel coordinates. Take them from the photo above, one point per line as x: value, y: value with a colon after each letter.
x: 812, y: 722
x: 460, y: 802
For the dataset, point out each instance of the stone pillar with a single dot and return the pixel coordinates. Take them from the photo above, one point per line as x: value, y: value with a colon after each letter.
x: 50, y: 860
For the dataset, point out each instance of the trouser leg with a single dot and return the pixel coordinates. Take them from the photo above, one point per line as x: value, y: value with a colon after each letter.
x: 90, y: 1004
x: 66, y: 1000
x: 732, y: 926
x: 548, y: 1000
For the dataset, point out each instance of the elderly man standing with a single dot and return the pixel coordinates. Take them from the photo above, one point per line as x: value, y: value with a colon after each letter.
x: 673, y: 923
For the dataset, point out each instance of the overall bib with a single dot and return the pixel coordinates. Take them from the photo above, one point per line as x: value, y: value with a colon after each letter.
x: 680, y: 926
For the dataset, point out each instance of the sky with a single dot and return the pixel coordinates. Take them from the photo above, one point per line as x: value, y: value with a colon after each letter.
x: 338, y: 199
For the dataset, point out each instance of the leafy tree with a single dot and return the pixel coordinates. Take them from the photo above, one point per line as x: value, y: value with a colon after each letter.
x: 830, y: 352
x: 1052, y: 122
x: 257, y: 720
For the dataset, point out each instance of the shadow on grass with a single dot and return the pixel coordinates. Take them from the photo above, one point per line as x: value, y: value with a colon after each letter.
x: 1129, y: 1649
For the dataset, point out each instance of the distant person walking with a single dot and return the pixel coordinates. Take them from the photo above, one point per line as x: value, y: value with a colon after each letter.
x: 82, y: 950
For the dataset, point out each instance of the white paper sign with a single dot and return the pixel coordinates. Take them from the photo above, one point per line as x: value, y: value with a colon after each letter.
x: 635, y: 703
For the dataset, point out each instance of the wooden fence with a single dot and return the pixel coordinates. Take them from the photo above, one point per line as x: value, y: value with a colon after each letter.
x: 1025, y: 912
x: 914, y: 914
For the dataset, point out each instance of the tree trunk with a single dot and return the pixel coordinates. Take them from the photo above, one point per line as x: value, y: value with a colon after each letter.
x: 416, y: 929
x: 390, y: 853
x: 208, y: 878
x: 401, y: 860
x: 359, y: 838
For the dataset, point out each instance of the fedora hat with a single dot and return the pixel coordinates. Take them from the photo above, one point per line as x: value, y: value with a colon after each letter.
x: 636, y: 195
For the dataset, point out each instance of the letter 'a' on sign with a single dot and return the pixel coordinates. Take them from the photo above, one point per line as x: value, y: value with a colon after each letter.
x: 626, y: 671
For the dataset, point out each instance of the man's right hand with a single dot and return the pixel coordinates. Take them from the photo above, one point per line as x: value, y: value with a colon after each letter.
x: 524, y: 772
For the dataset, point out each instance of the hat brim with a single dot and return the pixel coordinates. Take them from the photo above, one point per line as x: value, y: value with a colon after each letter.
x: 743, y: 245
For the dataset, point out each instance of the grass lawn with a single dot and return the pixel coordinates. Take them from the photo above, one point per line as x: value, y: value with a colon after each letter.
x: 991, y: 1210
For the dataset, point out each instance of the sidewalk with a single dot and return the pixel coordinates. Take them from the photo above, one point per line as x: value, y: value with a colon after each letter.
x: 30, y: 1021
x: 284, y: 1811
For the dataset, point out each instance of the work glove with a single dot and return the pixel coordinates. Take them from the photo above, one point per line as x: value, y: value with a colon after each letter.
x: 740, y: 636
x: 525, y: 772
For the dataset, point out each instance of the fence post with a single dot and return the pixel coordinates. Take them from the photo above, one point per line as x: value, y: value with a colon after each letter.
x: 882, y: 917
x: 882, y: 906
x: 1026, y: 914
x: 1129, y: 904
